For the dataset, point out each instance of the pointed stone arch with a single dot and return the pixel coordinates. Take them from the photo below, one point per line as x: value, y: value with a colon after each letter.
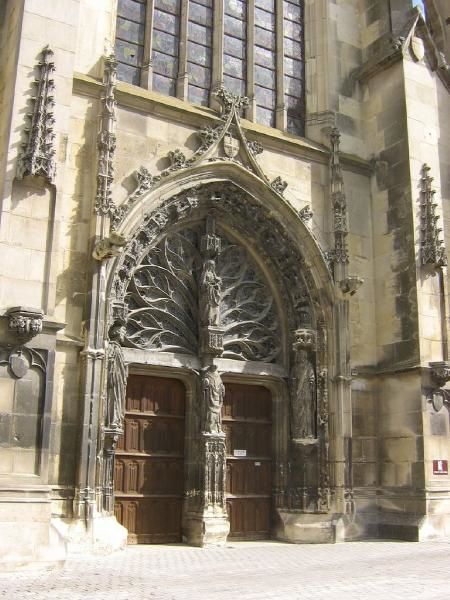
x: 251, y: 215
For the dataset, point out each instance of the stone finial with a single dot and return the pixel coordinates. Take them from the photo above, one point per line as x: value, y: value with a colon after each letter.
x: 38, y: 156
x: 106, y: 140
x: 432, y: 247
x: 25, y: 321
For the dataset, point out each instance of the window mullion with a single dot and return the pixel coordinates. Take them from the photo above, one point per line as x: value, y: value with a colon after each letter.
x: 147, y: 70
x: 250, y: 112
x: 183, y: 79
x: 217, y: 61
x: 280, y: 111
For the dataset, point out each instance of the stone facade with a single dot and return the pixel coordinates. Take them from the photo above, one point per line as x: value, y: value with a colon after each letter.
x: 340, y: 237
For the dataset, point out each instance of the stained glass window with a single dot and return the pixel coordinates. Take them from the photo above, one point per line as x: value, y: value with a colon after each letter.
x: 293, y: 64
x: 199, y: 50
x: 235, y: 46
x: 166, y: 32
x: 178, y: 54
x: 130, y: 33
x: 265, y: 62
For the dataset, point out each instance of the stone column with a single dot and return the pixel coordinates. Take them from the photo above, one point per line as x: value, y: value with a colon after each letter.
x: 206, y: 520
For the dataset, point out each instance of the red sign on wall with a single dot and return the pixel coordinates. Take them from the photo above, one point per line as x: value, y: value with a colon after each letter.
x: 440, y: 467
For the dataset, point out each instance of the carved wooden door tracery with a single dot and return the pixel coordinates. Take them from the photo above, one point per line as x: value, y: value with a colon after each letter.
x: 247, y: 424
x: 149, y: 465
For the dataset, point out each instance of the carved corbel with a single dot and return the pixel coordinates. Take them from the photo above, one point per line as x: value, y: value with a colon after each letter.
x: 439, y: 377
x: 351, y: 284
x: 109, y: 247
x: 25, y: 321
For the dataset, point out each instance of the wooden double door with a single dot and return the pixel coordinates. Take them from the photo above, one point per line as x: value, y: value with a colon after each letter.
x: 149, y: 465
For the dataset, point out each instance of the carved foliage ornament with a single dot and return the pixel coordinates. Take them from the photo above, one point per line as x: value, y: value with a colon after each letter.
x: 226, y: 141
x: 106, y: 140
x: 339, y: 203
x: 38, y: 156
x: 432, y: 247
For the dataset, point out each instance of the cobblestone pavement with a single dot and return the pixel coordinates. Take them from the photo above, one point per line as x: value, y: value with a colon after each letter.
x: 246, y: 571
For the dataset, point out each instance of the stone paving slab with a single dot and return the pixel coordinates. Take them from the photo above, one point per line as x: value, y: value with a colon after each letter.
x: 245, y: 571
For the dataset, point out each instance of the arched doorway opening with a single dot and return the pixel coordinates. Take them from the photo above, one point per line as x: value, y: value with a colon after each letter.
x: 212, y: 288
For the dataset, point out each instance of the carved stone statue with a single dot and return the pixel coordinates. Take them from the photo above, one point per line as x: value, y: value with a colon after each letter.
x: 213, y: 394
x: 210, y: 285
x: 303, y: 387
x: 117, y: 377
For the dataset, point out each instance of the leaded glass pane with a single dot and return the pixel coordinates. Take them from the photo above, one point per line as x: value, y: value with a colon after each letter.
x: 265, y: 38
x: 265, y: 19
x: 295, y: 125
x: 265, y: 97
x: 236, y: 8
x: 293, y: 104
x: 293, y: 48
x: 265, y: 77
x: 200, y: 14
x: 265, y: 116
x: 234, y: 47
x: 234, y: 66
x: 293, y: 68
x: 237, y: 86
x: 129, y: 53
x: 198, y: 95
x: 165, y: 22
x: 265, y: 58
x: 199, y: 33
x: 292, y: 11
x: 130, y: 31
x: 128, y: 73
x: 292, y: 30
x: 164, y: 42
x: 171, y: 6
x: 266, y: 4
x: 234, y: 27
x: 163, y: 85
x: 198, y: 54
x: 292, y: 86
x: 131, y: 9
x: 199, y: 76
x: 164, y: 65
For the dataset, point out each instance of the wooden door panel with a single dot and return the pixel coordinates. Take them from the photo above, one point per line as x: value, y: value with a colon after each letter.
x: 246, y: 416
x: 249, y: 518
x: 149, y: 466
x: 249, y: 477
